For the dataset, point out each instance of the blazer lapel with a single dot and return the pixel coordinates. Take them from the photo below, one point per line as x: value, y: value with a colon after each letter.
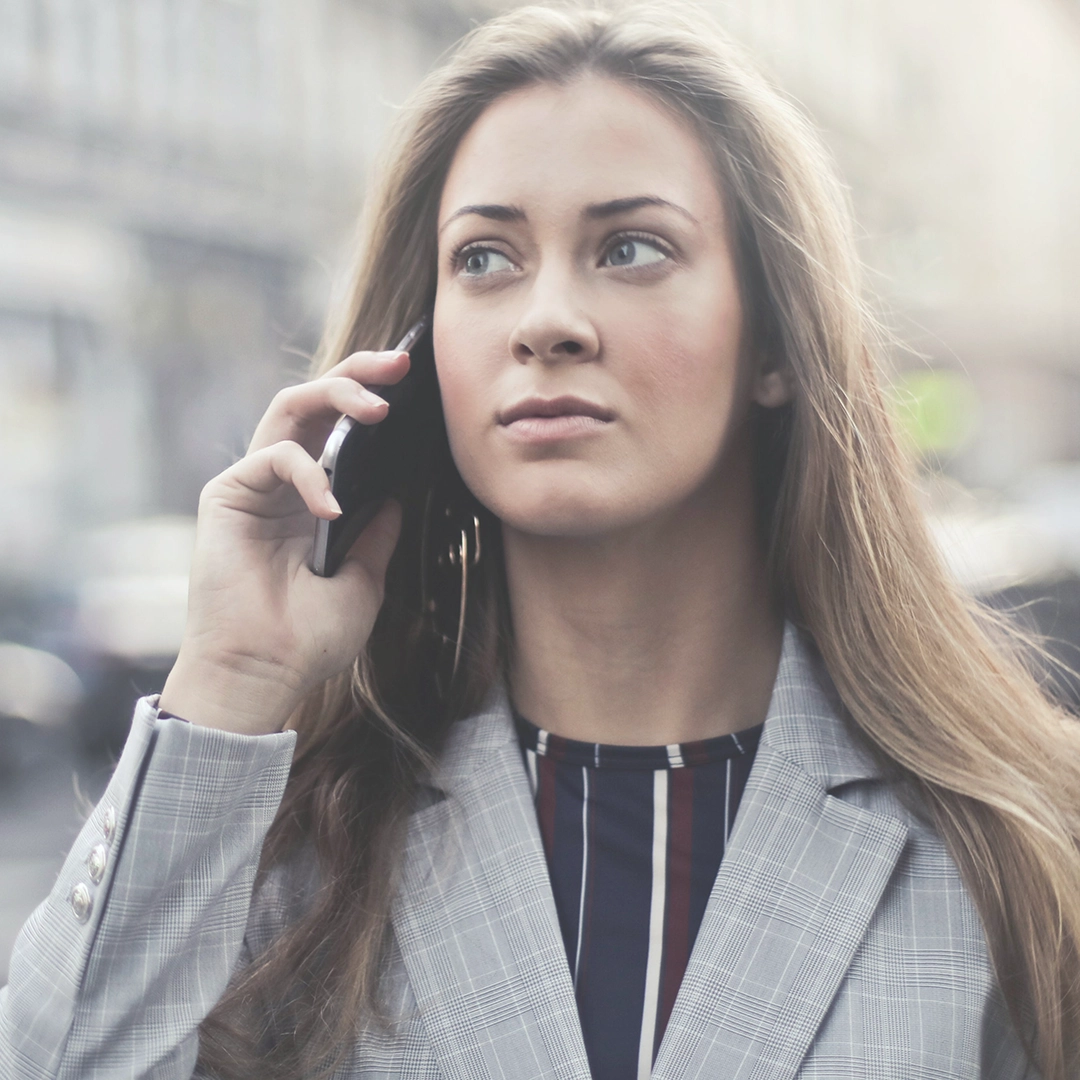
x: 476, y: 921
x: 799, y: 883
x: 802, y: 875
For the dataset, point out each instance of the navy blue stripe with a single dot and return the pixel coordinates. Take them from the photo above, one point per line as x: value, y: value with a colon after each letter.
x: 564, y: 863
x: 611, y: 983
x: 707, y: 844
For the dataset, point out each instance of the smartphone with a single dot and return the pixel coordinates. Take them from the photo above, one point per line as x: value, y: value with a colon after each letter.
x: 367, y: 463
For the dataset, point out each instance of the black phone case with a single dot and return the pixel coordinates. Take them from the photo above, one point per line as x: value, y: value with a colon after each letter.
x: 380, y: 460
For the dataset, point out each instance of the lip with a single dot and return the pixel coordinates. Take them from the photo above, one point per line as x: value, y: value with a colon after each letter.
x: 538, y: 408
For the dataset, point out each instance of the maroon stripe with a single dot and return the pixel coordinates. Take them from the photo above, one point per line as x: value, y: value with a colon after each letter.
x: 696, y: 753
x: 677, y: 908
x: 545, y: 803
x: 557, y: 747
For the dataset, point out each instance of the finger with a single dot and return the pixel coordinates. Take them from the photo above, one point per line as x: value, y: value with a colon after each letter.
x: 373, y: 368
x: 263, y: 473
x: 371, y: 552
x: 305, y: 414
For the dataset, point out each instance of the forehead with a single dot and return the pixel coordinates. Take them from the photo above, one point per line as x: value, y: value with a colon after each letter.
x: 552, y: 149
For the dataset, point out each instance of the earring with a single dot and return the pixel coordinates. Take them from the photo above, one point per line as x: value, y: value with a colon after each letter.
x: 460, y: 555
x: 443, y: 591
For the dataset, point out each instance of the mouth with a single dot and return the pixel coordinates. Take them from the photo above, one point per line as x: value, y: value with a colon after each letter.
x: 536, y: 408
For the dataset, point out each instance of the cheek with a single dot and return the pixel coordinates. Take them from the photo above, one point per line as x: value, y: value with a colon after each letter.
x: 450, y: 365
x: 681, y: 382
x: 461, y: 374
x: 691, y: 357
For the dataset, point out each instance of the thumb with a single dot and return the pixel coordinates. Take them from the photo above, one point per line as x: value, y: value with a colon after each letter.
x: 371, y: 552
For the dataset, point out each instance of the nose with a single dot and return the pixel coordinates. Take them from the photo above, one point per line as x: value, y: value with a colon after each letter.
x: 553, y: 329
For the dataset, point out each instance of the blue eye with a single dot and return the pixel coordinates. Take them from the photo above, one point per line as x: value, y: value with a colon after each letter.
x: 634, y: 253
x: 478, y: 262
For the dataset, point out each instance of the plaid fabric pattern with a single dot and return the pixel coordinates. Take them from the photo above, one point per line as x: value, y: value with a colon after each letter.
x: 838, y: 940
x: 122, y: 993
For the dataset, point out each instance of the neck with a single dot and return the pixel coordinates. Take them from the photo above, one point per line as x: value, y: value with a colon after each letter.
x: 660, y: 634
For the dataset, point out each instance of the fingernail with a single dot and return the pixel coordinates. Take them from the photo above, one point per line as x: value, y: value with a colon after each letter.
x: 374, y: 399
x: 332, y: 503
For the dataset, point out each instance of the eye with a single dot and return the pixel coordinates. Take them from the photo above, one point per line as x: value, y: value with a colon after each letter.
x: 635, y: 251
x: 481, y: 261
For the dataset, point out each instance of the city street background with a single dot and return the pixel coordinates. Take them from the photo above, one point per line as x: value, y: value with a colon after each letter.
x: 179, y: 181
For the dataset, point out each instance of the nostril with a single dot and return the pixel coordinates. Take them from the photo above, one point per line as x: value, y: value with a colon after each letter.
x: 572, y: 347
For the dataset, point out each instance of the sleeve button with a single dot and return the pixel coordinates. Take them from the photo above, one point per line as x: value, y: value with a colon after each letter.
x: 108, y: 823
x: 96, y: 862
x: 82, y: 903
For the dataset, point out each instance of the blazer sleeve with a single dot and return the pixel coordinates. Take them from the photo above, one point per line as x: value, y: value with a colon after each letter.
x: 112, y: 974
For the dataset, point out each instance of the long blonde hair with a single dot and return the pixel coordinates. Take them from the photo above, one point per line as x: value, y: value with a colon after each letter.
x: 928, y: 677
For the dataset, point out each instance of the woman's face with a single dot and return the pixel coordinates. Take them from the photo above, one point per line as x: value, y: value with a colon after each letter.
x: 588, y: 327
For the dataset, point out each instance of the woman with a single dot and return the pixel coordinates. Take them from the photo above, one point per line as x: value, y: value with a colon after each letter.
x: 643, y: 734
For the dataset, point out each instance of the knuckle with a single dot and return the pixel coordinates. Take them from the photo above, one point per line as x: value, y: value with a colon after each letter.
x: 299, y: 459
x: 286, y: 451
x: 354, y: 365
x: 290, y: 399
x: 214, y: 488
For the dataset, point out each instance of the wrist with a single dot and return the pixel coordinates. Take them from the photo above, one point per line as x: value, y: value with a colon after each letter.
x: 211, y: 694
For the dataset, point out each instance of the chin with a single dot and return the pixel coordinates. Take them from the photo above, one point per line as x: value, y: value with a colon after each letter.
x: 562, y: 513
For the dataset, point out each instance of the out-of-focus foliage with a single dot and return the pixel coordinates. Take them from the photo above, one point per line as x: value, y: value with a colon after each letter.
x: 938, y: 410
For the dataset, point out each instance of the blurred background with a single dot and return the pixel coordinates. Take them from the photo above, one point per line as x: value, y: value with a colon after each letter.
x: 178, y: 185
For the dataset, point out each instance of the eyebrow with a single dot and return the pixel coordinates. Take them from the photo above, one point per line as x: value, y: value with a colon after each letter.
x: 599, y: 211
x: 592, y: 212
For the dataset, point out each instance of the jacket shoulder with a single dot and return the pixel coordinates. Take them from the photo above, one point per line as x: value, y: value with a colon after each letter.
x: 923, y: 971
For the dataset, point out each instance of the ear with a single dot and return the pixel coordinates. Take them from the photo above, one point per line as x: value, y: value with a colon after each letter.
x: 773, y: 387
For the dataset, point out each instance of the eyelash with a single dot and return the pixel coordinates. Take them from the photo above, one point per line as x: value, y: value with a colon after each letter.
x: 467, y: 247
x: 645, y: 238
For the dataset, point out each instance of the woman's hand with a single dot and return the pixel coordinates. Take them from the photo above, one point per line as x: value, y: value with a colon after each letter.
x: 262, y: 629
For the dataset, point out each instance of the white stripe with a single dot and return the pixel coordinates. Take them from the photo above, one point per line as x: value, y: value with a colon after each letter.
x: 584, y: 868
x: 737, y: 743
x: 541, y: 743
x: 674, y: 755
x: 727, y: 801
x: 530, y: 759
x: 656, y: 924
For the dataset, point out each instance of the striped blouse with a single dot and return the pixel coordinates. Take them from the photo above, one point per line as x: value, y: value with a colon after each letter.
x: 633, y: 836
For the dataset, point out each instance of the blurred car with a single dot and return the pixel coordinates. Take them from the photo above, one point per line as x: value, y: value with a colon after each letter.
x: 131, y: 604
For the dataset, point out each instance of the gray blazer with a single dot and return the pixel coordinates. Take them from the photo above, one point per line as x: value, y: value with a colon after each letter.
x: 838, y: 942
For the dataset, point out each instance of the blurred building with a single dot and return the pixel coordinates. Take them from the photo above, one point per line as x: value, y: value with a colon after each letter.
x: 178, y: 181
x: 958, y: 128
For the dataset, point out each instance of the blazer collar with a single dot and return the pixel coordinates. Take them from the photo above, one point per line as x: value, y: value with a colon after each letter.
x: 475, y: 917
x: 801, y: 878
x: 473, y: 740
x: 806, y: 723
x: 803, y: 874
